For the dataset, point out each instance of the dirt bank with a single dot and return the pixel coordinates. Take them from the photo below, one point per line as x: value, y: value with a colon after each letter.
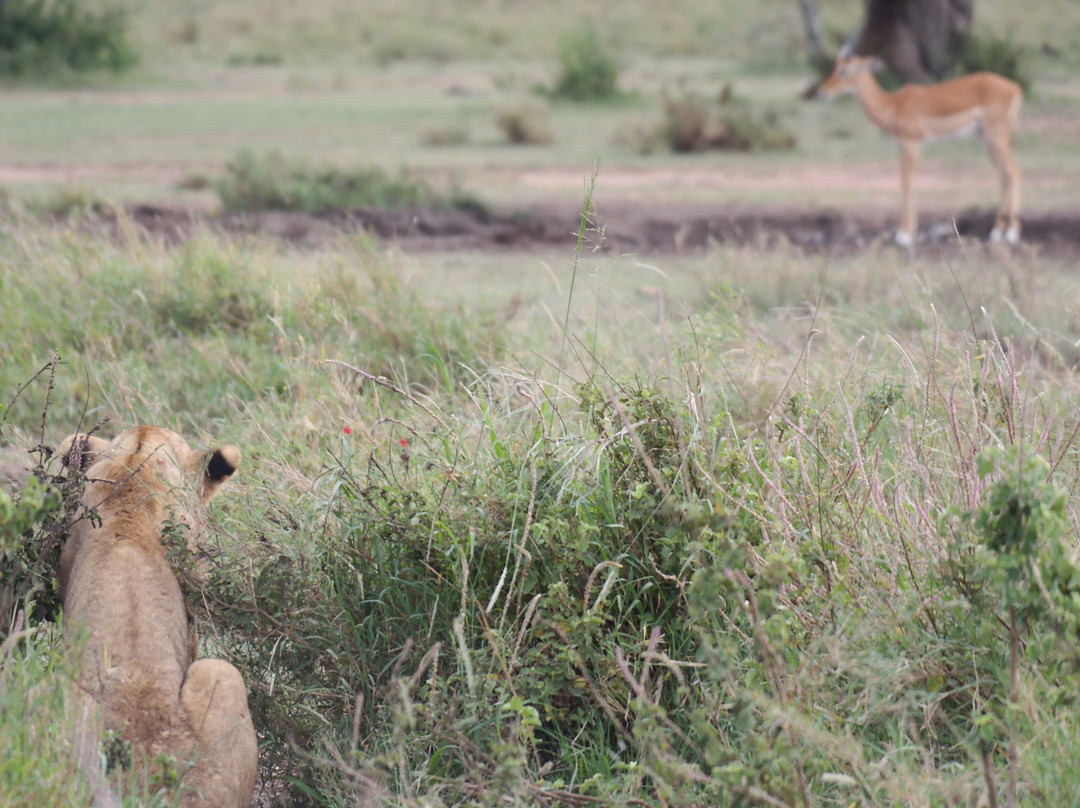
x: 622, y: 228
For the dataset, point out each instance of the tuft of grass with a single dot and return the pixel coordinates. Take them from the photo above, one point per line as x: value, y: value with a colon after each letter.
x: 525, y: 124
x: 588, y: 70
x: 692, y: 124
x: 636, y: 581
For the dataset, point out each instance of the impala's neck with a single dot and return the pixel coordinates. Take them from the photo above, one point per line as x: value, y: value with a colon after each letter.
x: 874, y: 101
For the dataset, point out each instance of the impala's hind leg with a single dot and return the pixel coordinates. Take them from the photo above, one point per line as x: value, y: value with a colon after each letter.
x: 222, y: 773
x: 1007, y: 224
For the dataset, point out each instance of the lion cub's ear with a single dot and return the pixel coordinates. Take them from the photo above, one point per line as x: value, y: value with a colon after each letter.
x: 221, y: 464
x: 80, y: 451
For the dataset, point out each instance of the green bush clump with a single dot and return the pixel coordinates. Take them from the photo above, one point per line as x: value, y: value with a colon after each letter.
x: 43, y: 37
x: 29, y: 555
x: 274, y: 182
x: 588, y: 69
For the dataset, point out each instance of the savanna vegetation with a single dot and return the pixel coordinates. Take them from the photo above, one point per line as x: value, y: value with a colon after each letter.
x: 749, y: 527
x: 799, y: 543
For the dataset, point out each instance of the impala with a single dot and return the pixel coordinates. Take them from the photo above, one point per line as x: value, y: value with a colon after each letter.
x: 983, y: 104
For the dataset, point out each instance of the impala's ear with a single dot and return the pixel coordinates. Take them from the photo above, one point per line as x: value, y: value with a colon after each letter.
x: 80, y: 451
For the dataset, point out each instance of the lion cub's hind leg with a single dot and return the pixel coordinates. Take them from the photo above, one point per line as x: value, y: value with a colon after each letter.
x: 215, y: 699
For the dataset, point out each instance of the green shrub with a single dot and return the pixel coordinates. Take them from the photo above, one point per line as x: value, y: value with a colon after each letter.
x: 274, y: 182
x: 39, y: 37
x: 588, y: 70
x: 32, y: 529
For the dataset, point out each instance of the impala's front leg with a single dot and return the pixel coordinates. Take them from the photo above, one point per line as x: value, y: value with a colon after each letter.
x: 909, y: 158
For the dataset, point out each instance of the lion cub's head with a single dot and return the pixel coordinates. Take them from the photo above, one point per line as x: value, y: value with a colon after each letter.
x: 151, y: 454
x: 148, y: 475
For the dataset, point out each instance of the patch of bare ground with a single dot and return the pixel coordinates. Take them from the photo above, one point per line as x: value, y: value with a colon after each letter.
x: 618, y: 228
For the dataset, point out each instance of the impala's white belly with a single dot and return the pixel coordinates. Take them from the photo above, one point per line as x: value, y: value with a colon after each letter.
x: 960, y: 125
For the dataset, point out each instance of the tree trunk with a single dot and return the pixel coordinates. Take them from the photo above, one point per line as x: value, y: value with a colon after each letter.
x: 918, y: 39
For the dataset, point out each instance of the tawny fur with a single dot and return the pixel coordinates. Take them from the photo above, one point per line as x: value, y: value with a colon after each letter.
x: 120, y: 593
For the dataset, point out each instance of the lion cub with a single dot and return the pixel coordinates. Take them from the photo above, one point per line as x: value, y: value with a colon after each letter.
x: 119, y: 591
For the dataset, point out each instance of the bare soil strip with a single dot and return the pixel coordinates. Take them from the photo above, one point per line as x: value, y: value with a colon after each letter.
x: 624, y: 229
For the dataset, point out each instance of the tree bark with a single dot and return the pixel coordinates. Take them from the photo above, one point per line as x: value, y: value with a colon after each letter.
x: 918, y: 39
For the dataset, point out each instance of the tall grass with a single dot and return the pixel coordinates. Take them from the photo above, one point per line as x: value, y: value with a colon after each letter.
x: 800, y: 538
x: 40, y: 764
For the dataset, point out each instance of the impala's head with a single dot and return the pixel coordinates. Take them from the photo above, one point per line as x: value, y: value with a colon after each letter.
x: 846, y: 74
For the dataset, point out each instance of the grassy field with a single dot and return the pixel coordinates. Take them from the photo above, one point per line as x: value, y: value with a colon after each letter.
x: 744, y: 527
x: 142, y: 145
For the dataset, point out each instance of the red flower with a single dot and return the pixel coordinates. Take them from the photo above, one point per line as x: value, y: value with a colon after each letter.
x: 347, y: 431
x: 403, y: 443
